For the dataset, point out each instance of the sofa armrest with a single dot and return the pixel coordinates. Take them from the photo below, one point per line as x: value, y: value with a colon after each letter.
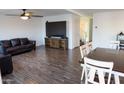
x: 33, y: 42
x: 2, y: 56
x: 6, y: 64
x: 2, y: 50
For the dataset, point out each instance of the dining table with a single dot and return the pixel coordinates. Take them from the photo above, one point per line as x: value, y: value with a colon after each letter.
x: 110, y: 55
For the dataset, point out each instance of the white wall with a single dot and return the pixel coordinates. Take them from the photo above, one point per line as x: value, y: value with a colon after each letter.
x: 72, y: 28
x: 75, y: 31
x: 109, y: 24
x: 35, y: 29
x: 14, y: 27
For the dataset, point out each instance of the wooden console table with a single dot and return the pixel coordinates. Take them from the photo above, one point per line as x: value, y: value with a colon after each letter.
x: 56, y: 43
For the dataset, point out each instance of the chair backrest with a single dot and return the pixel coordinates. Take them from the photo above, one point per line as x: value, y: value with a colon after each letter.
x: 88, y: 47
x: 96, y: 72
x: 117, y: 76
x: 83, y: 51
x: 114, y: 44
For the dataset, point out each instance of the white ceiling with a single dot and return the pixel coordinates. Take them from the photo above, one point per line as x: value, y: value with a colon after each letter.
x: 42, y: 12
x: 51, y: 12
x: 90, y: 12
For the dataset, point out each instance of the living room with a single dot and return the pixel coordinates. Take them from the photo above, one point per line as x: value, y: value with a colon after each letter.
x: 54, y: 66
x: 26, y: 45
x: 15, y: 33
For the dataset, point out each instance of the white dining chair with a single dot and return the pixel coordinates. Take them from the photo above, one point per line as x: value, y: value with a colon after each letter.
x: 88, y: 47
x: 115, y: 45
x: 101, y: 69
x: 83, y: 51
x: 83, y: 54
x: 117, y: 76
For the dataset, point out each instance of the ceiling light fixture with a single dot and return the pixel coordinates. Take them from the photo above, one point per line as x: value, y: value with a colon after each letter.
x: 24, y: 17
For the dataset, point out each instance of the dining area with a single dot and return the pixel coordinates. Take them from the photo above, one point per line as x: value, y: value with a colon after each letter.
x: 101, y: 65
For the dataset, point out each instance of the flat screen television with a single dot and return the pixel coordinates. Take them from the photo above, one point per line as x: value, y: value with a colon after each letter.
x: 57, y: 29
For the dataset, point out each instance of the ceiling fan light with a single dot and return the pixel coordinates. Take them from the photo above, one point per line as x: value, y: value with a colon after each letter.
x: 28, y: 14
x: 24, y: 17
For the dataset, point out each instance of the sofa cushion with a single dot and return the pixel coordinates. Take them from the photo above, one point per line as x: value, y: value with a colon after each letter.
x: 27, y: 46
x: 15, y: 42
x: 24, y: 41
x: 6, y: 43
x: 11, y: 49
x: 19, y: 47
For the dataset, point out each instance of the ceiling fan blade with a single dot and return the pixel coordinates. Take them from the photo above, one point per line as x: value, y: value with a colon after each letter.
x: 36, y: 16
x: 11, y: 15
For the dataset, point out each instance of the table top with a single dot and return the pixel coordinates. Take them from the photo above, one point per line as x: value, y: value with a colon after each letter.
x: 104, y: 54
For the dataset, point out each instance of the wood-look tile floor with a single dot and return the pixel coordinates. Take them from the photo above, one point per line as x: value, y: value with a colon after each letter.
x: 46, y: 66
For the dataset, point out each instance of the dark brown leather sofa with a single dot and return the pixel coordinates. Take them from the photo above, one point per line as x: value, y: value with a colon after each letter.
x: 6, y: 66
x: 16, y: 46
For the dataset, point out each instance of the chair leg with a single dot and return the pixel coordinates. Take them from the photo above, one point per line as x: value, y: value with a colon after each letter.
x: 117, y: 81
x: 82, y: 76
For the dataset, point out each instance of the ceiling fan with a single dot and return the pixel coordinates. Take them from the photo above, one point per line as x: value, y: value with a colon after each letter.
x: 25, y: 15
